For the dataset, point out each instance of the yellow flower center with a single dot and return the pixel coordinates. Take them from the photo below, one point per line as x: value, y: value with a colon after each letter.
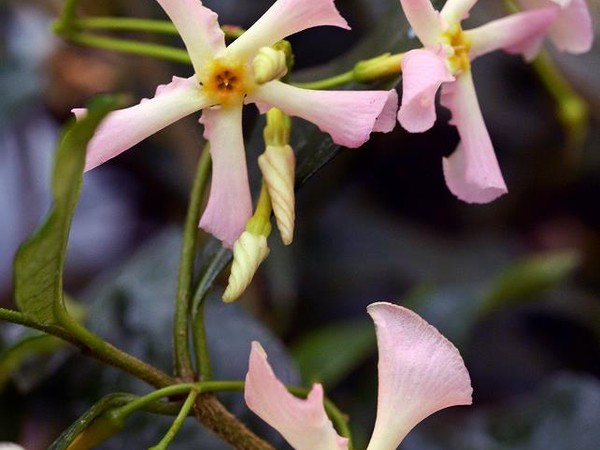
x: 459, y: 47
x: 226, y: 82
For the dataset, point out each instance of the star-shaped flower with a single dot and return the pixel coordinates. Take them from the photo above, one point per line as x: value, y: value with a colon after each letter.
x: 471, y: 172
x: 226, y: 77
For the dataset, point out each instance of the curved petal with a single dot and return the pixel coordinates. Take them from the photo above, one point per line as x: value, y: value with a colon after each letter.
x: 285, y: 18
x: 518, y: 33
x: 471, y: 172
x: 348, y: 116
x: 303, y: 423
x: 455, y: 11
x: 572, y: 32
x: 420, y: 373
x: 198, y: 27
x: 229, y: 203
x: 422, y: 74
x: 424, y: 20
x: 124, y: 128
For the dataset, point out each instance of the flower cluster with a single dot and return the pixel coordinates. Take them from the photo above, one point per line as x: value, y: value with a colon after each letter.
x: 249, y: 71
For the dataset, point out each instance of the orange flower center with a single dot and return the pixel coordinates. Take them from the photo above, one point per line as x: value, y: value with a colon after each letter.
x: 226, y: 82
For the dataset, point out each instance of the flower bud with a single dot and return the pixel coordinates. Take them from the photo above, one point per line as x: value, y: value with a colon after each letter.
x: 249, y: 251
x: 269, y: 64
x: 277, y: 165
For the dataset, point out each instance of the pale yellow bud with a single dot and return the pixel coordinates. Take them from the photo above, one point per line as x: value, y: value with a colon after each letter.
x: 249, y: 251
x: 277, y: 165
x: 269, y: 64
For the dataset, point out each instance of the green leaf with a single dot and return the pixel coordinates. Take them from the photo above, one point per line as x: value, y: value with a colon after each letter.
x: 529, y: 278
x: 39, y: 263
x: 329, y: 354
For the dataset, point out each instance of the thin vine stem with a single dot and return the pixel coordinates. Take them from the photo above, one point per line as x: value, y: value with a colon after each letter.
x: 73, y: 332
x: 131, y: 47
x: 327, y: 83
x: 177, y: 423
x: 127, y: 24
x: 201, y: 345
x: 181, y: 323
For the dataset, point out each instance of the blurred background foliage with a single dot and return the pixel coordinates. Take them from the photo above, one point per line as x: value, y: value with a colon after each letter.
x: 513, y: 284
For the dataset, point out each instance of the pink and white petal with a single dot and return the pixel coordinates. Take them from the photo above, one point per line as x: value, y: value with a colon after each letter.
x: 420, y: 373
x: 471, y: 172
x: 282, y: 19
x: 124, y: 128
x: 229, y: 203
x: 424, y: 20
x: 348, y: 116
x: 573, y: 31
x: 386, y: 120
x: 302, y: 422
x: 422, y: 74
x: 521, y: 32
x: 455, y: 11
x: 199, y: 28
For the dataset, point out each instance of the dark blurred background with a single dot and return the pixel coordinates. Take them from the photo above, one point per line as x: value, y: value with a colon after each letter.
x: 514, y: 284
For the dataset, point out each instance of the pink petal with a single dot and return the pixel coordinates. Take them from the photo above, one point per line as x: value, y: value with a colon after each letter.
x: 424, y: 20
x: 455, y: 11
x: 422, y: 74
x: 348, y: 116
x: 124, y: 128
x: 471, y: 172
x: 198, y: 27
x: 303, y: 423
x: 518, y: 33
x: 284, y: 18
x: 572, y: 32
x: 420, y: 373
x: 386, y: 120
x: 229, y: 203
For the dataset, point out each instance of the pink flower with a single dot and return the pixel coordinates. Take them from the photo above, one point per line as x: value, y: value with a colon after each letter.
x: 472, y: 172
x: 420, y: 373
x: 572, y: 32
x: 227, y: 77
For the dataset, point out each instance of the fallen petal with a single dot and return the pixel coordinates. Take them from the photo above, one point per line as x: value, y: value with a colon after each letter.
x: 420, y: 373
x: 302, y: 422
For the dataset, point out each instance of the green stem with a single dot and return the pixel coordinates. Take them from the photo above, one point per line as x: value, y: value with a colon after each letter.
x: 66, y: 21
x: 177, y: 389
x: 201, y: 345
x: 327, y: 83
x: 181, y: 325
x: 177, y: 423
x: 572, y: 108
x: 130, y: 47
x: 127, y: 24
x: 144, y: 25
x: 104, y: 351
x: 71, y: 331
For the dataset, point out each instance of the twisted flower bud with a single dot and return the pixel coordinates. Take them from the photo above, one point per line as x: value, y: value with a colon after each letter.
x: 277, y: 165
x: 250, y: 250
